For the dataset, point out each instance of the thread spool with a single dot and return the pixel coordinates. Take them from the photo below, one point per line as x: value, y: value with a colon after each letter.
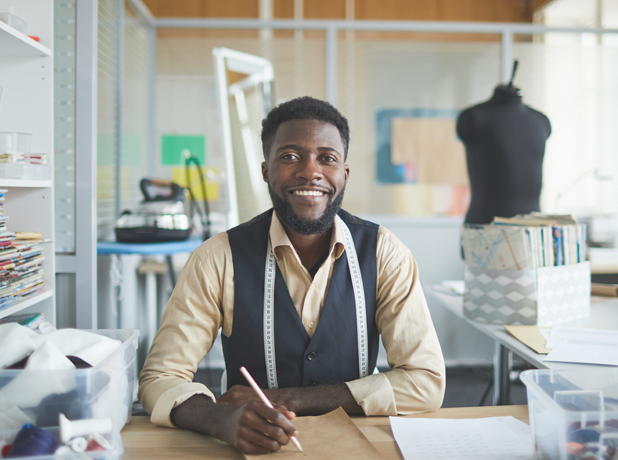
x: 72, y: 429
x: 63, y: 451
x: 98, y: 442
x: 78, y: 444
x: 31, y: 442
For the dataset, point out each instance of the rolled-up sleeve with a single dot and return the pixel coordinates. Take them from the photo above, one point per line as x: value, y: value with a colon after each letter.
x: 188, y: 330
x: 416, y: 381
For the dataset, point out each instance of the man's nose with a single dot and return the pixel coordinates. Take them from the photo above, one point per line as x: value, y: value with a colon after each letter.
x: 309, y: 169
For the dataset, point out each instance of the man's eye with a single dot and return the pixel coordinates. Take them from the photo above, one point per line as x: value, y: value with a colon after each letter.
x: 329, y: 158
x: 288, y: 156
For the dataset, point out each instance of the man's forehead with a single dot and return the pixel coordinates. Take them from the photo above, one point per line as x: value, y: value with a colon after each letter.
x: 307, y: 128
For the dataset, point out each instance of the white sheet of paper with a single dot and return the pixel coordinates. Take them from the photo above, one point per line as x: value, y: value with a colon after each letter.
x: 581, y: 334
x: 442, y: 439
x: 575, y: 351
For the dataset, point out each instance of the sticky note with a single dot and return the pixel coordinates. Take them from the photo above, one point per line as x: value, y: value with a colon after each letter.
x: 172, y: 147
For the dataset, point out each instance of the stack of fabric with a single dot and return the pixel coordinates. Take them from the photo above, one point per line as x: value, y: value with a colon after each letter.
x: 21, y: 262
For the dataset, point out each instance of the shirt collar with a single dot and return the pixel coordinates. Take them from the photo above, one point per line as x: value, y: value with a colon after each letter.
x: 279, y: 239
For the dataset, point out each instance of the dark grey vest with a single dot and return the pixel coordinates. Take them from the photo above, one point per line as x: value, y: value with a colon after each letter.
x: 331, y: 355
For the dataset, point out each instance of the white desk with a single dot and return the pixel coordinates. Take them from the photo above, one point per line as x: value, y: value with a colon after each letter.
x: 603, y: 315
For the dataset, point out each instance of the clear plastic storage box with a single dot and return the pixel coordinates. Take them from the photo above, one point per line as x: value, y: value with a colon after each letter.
x: 25, y: 171
x: 105, y: 390
x: 573, y: 413
x: 16, y: 23
x: 15, y: 143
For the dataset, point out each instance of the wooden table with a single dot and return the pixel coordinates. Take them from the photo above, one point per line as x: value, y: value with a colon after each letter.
x: 143, y: 440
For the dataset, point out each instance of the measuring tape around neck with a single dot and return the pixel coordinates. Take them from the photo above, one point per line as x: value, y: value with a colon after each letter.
x: 359, y: 301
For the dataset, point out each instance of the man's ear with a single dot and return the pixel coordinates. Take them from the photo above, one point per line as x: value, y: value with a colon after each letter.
x: 265, y: 171
x: 347, y: 173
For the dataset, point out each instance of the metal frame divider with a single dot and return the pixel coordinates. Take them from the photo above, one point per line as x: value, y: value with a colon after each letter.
x: 83, y: 264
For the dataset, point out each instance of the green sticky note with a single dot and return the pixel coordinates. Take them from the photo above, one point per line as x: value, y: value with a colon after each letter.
x: 172, y: 149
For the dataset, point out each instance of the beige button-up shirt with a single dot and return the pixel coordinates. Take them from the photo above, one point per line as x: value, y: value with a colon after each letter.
x: 203, y: 302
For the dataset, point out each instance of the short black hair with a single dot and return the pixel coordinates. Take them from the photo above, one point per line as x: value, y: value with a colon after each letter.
x: 303, y: 108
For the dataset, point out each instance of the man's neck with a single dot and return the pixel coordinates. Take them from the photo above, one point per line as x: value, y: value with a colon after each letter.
x: 310, y: 248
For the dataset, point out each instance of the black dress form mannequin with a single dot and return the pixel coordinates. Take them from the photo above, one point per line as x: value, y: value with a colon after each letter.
x: 505, y: 144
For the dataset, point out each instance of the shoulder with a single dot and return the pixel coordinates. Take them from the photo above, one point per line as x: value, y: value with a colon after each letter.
x: 350, y: 219
x: 466, y: 121
x: 541, y: 118
x: 214, y: 248
x: 390, y: 243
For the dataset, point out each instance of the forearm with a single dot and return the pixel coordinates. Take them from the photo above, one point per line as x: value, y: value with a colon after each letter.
x: 316, y: 400
x: 199, y: 413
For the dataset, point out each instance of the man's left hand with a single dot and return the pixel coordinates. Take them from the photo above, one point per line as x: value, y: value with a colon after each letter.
x: 239, y: 395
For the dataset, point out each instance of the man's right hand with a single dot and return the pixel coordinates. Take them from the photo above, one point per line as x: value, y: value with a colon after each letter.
x: 252, y: 429
x: 257, y: 429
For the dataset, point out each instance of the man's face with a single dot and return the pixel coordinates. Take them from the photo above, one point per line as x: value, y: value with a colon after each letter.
x: 306, y: 175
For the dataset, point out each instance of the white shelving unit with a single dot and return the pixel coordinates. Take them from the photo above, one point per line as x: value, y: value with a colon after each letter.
x: 26, y: 74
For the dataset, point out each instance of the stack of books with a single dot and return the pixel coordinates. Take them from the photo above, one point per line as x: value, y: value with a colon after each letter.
x: 525, y: 242
x: 30, y: 320
x: 21, y: 262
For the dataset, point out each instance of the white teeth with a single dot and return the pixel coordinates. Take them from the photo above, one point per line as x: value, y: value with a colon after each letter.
x: 308, y: 192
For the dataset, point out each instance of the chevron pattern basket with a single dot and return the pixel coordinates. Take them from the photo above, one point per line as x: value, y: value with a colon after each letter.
x: 543, y: 297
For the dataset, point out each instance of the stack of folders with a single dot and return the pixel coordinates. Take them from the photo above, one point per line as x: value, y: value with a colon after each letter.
x: 525, y: 242
x: 21, y: 262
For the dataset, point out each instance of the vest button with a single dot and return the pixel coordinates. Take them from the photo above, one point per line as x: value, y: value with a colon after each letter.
x: 311, y: 356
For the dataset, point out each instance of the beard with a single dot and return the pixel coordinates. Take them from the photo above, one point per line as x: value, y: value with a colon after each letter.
x: 302, y: 225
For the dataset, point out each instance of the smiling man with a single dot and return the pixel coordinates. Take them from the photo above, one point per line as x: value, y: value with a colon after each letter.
x: 302, y: 294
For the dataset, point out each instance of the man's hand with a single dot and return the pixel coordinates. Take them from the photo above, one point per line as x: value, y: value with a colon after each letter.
x: 238, y: 396
x: 252, y: 428
x: 256, y: 429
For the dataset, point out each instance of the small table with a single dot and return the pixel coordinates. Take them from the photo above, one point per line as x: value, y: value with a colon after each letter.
x: 143, y: 440
x: 109, y: 248
x: 603, y: 315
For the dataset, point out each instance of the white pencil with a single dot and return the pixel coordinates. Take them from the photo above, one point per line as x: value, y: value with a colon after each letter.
x: 264, y: 399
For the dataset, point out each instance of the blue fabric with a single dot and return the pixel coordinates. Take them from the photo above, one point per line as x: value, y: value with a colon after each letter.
x: 113, y: 247
x: 331, y: 356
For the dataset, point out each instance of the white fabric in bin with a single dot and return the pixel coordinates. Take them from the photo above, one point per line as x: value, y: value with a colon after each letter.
x: 16, y: 342
x: 28, y: 391
x: 92, y: 348
x: 13, y: 419
x: 47, y: 356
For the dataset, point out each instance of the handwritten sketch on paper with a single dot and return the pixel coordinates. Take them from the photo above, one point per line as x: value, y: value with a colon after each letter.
x: 496, y: 247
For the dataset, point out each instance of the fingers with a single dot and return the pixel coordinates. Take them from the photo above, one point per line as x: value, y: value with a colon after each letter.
x: 277, y: 417
x: 261, y: 429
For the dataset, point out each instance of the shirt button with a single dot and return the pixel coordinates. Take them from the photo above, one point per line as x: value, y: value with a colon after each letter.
x: 311, y: 356
x: 312, y: 287
x: 311, y: 324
